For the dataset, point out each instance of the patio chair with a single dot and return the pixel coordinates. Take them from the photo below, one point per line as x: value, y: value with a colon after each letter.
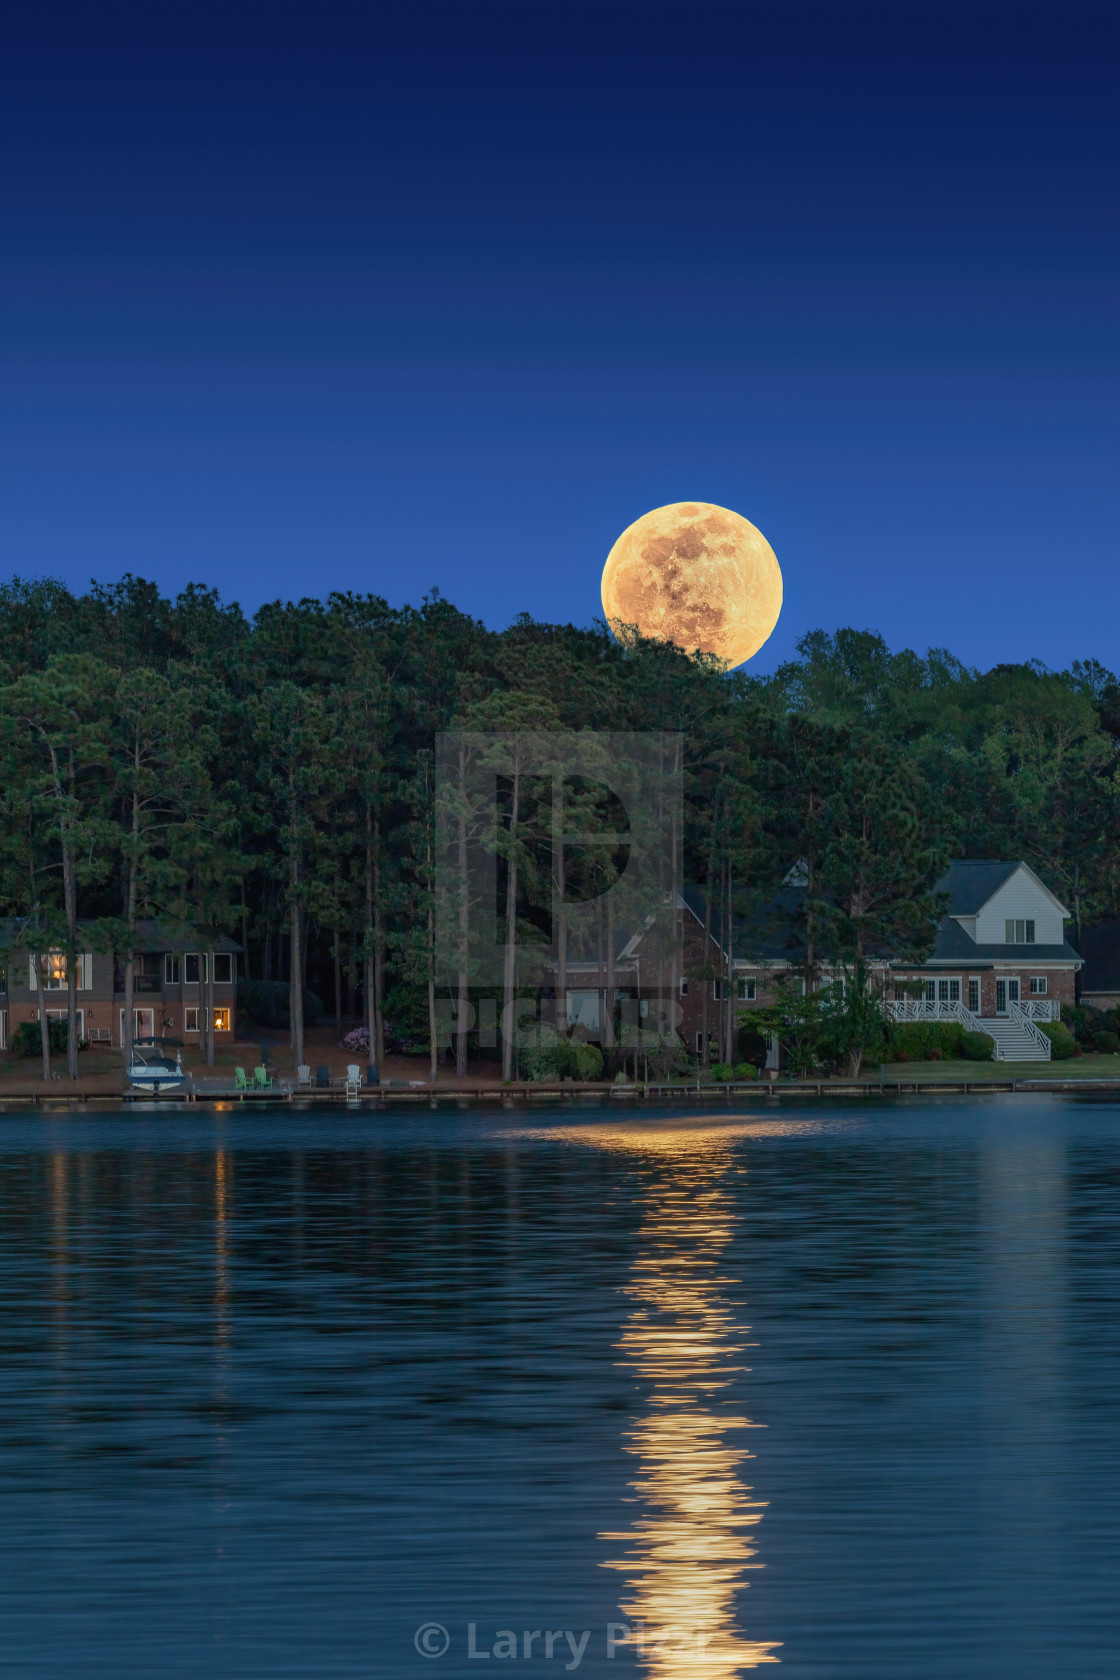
x: 261, y: 1081
x: 241, y: 1080
x: 322, y: 1078
x: 303, y: 1076
x: 353, y: 1079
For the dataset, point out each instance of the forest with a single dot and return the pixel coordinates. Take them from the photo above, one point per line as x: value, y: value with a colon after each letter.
x: 271, y: 777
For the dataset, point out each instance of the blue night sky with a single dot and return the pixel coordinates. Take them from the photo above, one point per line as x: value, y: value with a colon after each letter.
x: 309, y: 297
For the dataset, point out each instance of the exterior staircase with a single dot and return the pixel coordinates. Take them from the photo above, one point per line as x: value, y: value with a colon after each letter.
x: 1017, y: 1036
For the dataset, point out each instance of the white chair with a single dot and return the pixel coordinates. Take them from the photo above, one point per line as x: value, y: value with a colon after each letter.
x: 303, y: 1077
x: 353, y: 1079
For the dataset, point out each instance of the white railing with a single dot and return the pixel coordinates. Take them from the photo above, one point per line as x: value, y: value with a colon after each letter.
x: 1022, y: 1019
x: 923, y: 1009
x: 937, y: 1009
x: 1041, y: 1009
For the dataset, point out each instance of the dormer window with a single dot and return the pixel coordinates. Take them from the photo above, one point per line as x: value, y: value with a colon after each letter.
x: 1018, y: 932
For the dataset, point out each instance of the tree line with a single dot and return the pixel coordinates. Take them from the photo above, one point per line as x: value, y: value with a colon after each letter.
x: 272, y: 777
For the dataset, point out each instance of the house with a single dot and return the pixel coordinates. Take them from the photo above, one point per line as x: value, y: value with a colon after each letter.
x: 168, y: 985
x: 1100, y: 977
x: 999, y: 963
x: 1000, y: 959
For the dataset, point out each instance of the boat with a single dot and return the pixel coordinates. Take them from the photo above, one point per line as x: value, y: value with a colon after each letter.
x: 152, y: 1067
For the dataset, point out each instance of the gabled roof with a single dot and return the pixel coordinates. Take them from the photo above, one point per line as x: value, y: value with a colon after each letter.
x: 972, y: 882
x: 953, y: 944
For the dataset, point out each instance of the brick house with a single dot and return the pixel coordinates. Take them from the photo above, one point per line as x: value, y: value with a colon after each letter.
x: 1000, y: 957
x: 167, y: 992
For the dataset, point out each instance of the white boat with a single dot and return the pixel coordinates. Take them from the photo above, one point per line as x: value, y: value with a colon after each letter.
x: 152, y: 1069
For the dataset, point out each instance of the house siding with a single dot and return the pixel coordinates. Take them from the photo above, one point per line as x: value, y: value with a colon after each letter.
x: 1020, y: 897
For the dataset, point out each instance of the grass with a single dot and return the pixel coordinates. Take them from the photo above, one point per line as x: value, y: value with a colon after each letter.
x: 1078, y: 1067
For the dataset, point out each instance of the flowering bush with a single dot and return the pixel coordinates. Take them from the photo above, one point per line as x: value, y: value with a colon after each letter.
x: 358, y: 1040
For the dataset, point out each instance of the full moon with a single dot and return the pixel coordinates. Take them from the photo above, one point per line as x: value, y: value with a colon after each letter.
x: 696, y: 575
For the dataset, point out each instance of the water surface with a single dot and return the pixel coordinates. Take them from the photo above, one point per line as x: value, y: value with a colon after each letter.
x: 831, y: 1389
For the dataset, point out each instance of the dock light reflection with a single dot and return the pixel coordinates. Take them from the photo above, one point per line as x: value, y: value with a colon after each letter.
x: 690, y: 1544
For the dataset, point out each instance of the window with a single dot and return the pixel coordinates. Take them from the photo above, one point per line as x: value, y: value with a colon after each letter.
x: 929, y: 991
x: 171, y: 968
x: 974, y: 996
x: 1038, y: 985
x: 1018, y: 931
x: 223, y: 968
x: 948, y: 991
x: 684, y: 988
x: 746, y: 991
x: 53, y: 966
x: 718, y: 993
x: 194, y: 968
x: 192, y: 1015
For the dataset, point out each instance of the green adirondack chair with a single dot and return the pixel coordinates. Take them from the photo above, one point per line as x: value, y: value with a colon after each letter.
x: 261, y: 1081
x: 241, y: 1080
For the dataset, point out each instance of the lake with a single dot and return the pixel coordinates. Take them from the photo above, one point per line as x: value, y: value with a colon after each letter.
x: 830, y: 1389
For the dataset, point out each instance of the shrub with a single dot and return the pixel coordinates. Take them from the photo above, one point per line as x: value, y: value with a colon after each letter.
x: 723, y: 1071
x: 976, y: 1047
x: 1106, y: 1043
x: 925, y: 1041
x: 589, y: 1061
x: 265, y: 1003
x: 27, y: 1040
x: 746, y: 1070
x: 357, y: 1041
x: 1062, y: 1042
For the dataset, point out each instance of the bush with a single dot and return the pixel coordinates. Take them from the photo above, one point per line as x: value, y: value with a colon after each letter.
x: 589, y: 1061
x: 925, y: 1041
x: 265, y: 1003
x: 1106, y: 1043
x: 746, y: 1070
x: 976, y: 1047
x: 1062, y: 1042
x: 357, y: 1041
x: 27, y: 1039
x: 723, y: 1071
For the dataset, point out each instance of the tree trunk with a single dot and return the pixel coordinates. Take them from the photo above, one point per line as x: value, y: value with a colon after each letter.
x: 378, y: 947
x: 127, y: 1031
x: 208, y: 1011
x: 730, y: 1013
x: 44, y: 1024
x: 295, y: 989
x: 509, y: 970
x: 337, y: 982
x: 608, y: 1023
x: 705, y: 1026
x: 462, y: 1004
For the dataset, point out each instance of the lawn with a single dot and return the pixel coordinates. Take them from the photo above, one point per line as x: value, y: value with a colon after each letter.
x: 1078, y: 1067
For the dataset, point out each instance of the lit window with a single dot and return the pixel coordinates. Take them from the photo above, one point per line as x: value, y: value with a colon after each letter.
x: 1038, y: 984
x: 193, y: 1015
x: 221, y: 1019
x: 1018, y: 931
x: 53, y: 968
